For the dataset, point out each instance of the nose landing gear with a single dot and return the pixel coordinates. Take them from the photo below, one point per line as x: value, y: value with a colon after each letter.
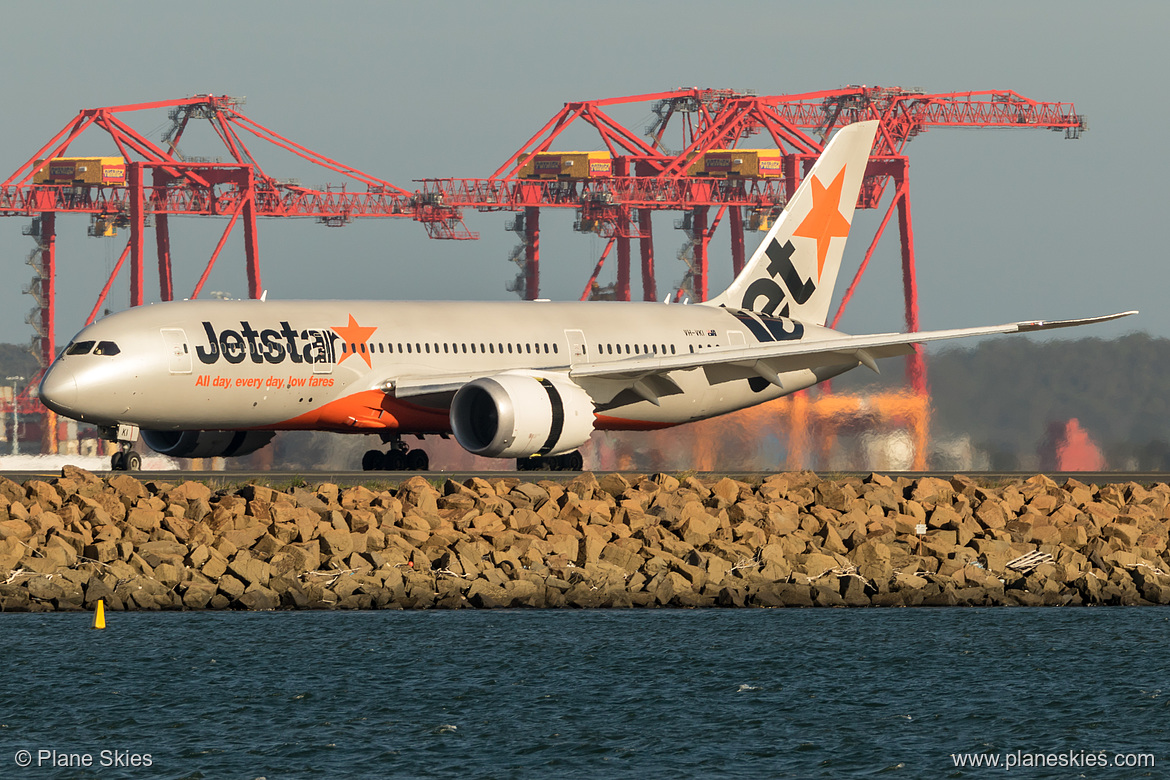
x: 125, y: 459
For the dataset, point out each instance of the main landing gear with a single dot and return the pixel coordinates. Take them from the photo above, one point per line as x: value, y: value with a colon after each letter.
x: 125, y: 459
x: 398, y: 458
x: 570, y: 461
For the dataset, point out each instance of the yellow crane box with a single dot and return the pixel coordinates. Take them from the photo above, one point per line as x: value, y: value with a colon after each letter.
x: 743, y: 163
x: 567, y: 165
x: 107, y: 171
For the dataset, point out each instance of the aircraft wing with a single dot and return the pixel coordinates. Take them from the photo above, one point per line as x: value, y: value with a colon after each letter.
x: 648, y: 375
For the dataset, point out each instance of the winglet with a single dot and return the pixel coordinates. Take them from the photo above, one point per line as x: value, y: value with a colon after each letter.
x: 1028, y: 327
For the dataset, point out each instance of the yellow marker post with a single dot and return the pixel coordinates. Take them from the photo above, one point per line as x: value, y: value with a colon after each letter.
x: 99, y: 617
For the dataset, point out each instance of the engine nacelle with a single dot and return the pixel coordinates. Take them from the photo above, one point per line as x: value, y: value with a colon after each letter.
x: 206, y: 444
x: 518, y: 414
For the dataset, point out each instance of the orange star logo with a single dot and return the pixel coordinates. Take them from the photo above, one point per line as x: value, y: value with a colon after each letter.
x: 824, y: 222
x: 355, y: 336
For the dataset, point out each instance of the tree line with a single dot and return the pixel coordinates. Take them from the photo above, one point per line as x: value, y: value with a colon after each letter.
x: 1005, y: 392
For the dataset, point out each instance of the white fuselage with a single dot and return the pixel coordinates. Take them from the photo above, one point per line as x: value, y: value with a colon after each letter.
x: 230, y: 365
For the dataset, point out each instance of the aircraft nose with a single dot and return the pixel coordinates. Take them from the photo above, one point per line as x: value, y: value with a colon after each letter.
x: 59, y: 390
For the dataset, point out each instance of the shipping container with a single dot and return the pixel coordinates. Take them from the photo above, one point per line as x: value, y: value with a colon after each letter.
x: 743, y: 163
x: 106, y: 171
x: 567, y: 166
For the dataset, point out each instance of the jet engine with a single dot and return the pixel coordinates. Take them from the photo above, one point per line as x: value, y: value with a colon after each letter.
x: 206, y: 444
x: 518, y: 414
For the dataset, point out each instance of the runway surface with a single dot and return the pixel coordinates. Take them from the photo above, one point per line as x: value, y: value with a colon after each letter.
x: 288, y: 478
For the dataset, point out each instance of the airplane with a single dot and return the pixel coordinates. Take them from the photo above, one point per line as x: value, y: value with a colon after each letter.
x: 530, y: 380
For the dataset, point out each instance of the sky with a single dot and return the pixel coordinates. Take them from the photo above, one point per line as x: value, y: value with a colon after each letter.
x: 1009, y: 225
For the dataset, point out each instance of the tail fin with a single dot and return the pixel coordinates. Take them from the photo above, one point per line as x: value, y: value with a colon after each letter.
x: 793, y: 271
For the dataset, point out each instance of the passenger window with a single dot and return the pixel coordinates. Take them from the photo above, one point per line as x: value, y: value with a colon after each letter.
x: 106, y: 348
x: 400, y: 348
x: 546, y: 349
x: 509, y: 349
x: 344, y: 348
x: 609, y: 348
x: 381, y: 348
x: 408, y: 348
x: 554, y: 347
x: 79, y: 348
x: 528, y: 348
x: 672, y: 349
x: 363, y: 347
x: 492, y: 348
x: 465, y: 348
x: 428, y: 346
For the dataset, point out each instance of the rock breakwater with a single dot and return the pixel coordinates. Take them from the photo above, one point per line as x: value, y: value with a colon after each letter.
x: 616, y: 540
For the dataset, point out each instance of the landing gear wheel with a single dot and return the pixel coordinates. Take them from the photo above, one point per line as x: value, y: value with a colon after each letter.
x: 417, y: 460
x: 132, y: 461
x: 395, y: 460
x: 373, y: 460
x: 570, y: 461
x: 118, y: 461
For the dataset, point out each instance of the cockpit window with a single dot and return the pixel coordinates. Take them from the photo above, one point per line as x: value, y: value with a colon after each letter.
x: 106, y: 348
x: 79, y: 348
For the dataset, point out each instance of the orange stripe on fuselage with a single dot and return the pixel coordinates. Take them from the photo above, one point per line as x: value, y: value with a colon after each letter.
x: 369, y: 410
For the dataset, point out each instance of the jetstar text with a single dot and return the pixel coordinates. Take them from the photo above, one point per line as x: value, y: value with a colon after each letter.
x: 268, y: 345
x: 780, y: 267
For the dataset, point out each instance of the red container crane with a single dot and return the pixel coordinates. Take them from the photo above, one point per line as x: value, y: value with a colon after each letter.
x: 614, y: 194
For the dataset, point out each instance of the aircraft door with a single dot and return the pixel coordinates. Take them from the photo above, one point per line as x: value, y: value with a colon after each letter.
x: 578, y: 352
x: 178, y: 352
x: 736, y: 338
x: 322, y: 352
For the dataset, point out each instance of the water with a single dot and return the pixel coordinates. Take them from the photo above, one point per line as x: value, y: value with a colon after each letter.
x: 589, y: 694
